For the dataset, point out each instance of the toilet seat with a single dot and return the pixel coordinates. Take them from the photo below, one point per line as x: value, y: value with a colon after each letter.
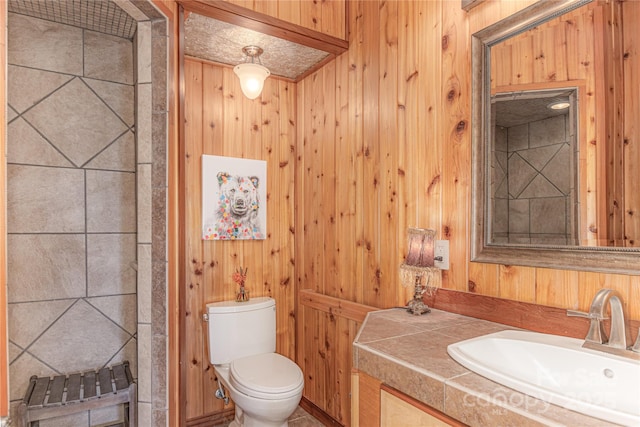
x: 268, y: 376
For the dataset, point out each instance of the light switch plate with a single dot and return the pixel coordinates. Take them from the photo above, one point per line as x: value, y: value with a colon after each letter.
x: 441, y: 249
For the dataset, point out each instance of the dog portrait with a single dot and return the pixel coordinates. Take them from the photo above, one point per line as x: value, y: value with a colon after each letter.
x: 232, y: 192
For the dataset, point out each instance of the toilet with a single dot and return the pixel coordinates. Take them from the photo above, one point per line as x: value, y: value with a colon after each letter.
x: 265, y: 386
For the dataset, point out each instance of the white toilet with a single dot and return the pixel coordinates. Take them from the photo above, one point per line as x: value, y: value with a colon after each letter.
x: 265, y: 386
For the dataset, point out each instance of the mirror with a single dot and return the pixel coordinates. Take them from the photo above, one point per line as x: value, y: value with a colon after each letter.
x: 557, y: 188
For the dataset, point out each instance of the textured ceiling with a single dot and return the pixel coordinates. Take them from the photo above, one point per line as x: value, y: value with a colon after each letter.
x: 103, y: 16
x: 519, y: 111
x: 218, y: 41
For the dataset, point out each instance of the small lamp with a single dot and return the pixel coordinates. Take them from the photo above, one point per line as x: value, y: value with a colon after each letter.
x: 252, y: 74
x: 418, y: 269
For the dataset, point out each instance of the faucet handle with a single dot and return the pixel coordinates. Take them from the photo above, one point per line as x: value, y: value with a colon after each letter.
x: 596, y: 332
x: 636, y: 345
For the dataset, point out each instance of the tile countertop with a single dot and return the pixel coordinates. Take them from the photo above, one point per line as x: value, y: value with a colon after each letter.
x: 409, y: 353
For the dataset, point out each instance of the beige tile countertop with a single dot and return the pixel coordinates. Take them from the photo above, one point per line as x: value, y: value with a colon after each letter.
x: 409, y: 353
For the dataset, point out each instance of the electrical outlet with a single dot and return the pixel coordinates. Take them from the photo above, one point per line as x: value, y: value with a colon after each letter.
x: 441, y: 254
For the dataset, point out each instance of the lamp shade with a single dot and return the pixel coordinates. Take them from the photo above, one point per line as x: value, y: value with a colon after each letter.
x: 252, y: 77
x: 421, y: 247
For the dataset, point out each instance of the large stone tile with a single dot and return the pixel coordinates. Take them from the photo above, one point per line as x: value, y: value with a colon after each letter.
x: 28, y: 320
x: 520, y: 174
x: 45, y: 45
x: 27, y: 86
x: 111, y: 202
x: 548, y: 216
x: 41, y: 200
x: 45, y: 266
x: 119, y: 156
x: 108, y: 58
x: 121, y: 309
x: 540, y: 187
x: 143, y: 48
x: 519, y: 215
x: 548, y: 131
x: 14, y: 352
x: 11, y: 114
x: 110, y: 262
x: 119, y: 97
x: 144, y: 120
x: 144, y: 414
x: 21, y: 370
x: 26, y: 146
x: 82, y: 338
x: 129, y: 353
x: 144, y: 363
x: 518, y: 137
x: 76, y: 121
x: 144, y: 194
x: 558, y: 170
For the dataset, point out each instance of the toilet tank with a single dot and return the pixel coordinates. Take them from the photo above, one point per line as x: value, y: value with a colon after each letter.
x: 239, y: 329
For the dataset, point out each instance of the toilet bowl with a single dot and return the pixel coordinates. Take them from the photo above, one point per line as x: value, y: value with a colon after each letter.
x: 265, y: 386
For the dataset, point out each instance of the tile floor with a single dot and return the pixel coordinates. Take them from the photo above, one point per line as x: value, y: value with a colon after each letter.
x: 300, y: 418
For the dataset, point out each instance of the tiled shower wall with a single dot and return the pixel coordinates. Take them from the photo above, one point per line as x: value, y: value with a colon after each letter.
x: 77, y: 196
x: 71, y: 203
x: 533, y: 196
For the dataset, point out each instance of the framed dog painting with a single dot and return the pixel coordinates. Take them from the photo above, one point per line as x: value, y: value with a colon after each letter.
x: 234, y: 198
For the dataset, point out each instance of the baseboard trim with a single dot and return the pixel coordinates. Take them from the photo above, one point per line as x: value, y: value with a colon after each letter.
x: 212, y: 419
x: 319, y: 414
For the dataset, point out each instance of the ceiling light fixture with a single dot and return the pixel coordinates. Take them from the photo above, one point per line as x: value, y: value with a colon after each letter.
x: 559, y: 105
x: 252, y: 74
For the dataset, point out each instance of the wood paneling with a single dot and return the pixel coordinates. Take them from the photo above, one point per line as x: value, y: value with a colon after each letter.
x: 402, y: 157
x: 374, y: 142
x: 326, y: 16
x: 219, y: 120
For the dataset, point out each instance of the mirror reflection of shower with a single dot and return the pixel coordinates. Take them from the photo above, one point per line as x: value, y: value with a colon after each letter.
x: 534, y: 161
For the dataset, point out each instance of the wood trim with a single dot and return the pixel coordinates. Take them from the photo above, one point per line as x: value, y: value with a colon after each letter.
x: 318, y: 413
x: 534, y: 317
x: 211, y: 420
x: 422, y: 406
x: 236, y: 15
x: 4, y: 339
x: 335, y: 306
x: 181, y: 214
x: 469, y: 4
x: 368, y: 403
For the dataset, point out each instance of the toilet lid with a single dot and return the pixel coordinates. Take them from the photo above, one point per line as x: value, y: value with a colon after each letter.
x: 266, y: 376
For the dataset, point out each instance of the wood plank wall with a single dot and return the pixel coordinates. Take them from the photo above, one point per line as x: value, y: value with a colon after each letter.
x: 326, y: 16
x: 384, y: 144
x: 374, y: 142
x: 219, y: 120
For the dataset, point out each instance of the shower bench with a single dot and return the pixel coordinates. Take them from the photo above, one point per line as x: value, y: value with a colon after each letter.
x: 50, y: 397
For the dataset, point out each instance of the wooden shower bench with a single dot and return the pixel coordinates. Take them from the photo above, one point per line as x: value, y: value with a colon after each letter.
x: 50, y: 397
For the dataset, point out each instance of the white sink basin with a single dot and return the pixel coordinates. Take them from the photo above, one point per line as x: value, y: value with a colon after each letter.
x: 557, y: 370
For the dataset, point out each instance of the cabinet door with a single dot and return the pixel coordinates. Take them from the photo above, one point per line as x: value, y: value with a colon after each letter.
x: 397, y: 412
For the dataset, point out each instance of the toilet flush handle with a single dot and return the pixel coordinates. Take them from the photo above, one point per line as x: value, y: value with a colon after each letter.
x: 205, y: 317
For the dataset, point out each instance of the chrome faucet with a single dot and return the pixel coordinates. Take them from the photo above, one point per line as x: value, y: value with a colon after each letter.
x: 597, y: 313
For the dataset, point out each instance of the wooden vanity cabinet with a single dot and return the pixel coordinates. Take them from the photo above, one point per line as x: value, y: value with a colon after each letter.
x: 375, y: 404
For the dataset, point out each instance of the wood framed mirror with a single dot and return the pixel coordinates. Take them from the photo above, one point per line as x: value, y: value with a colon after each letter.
x: 558, y: 191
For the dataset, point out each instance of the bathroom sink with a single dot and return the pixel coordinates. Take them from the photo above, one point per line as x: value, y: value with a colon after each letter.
x: 557, y: 370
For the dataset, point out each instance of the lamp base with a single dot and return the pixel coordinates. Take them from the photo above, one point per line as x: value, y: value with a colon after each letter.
x: 417, y: 307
